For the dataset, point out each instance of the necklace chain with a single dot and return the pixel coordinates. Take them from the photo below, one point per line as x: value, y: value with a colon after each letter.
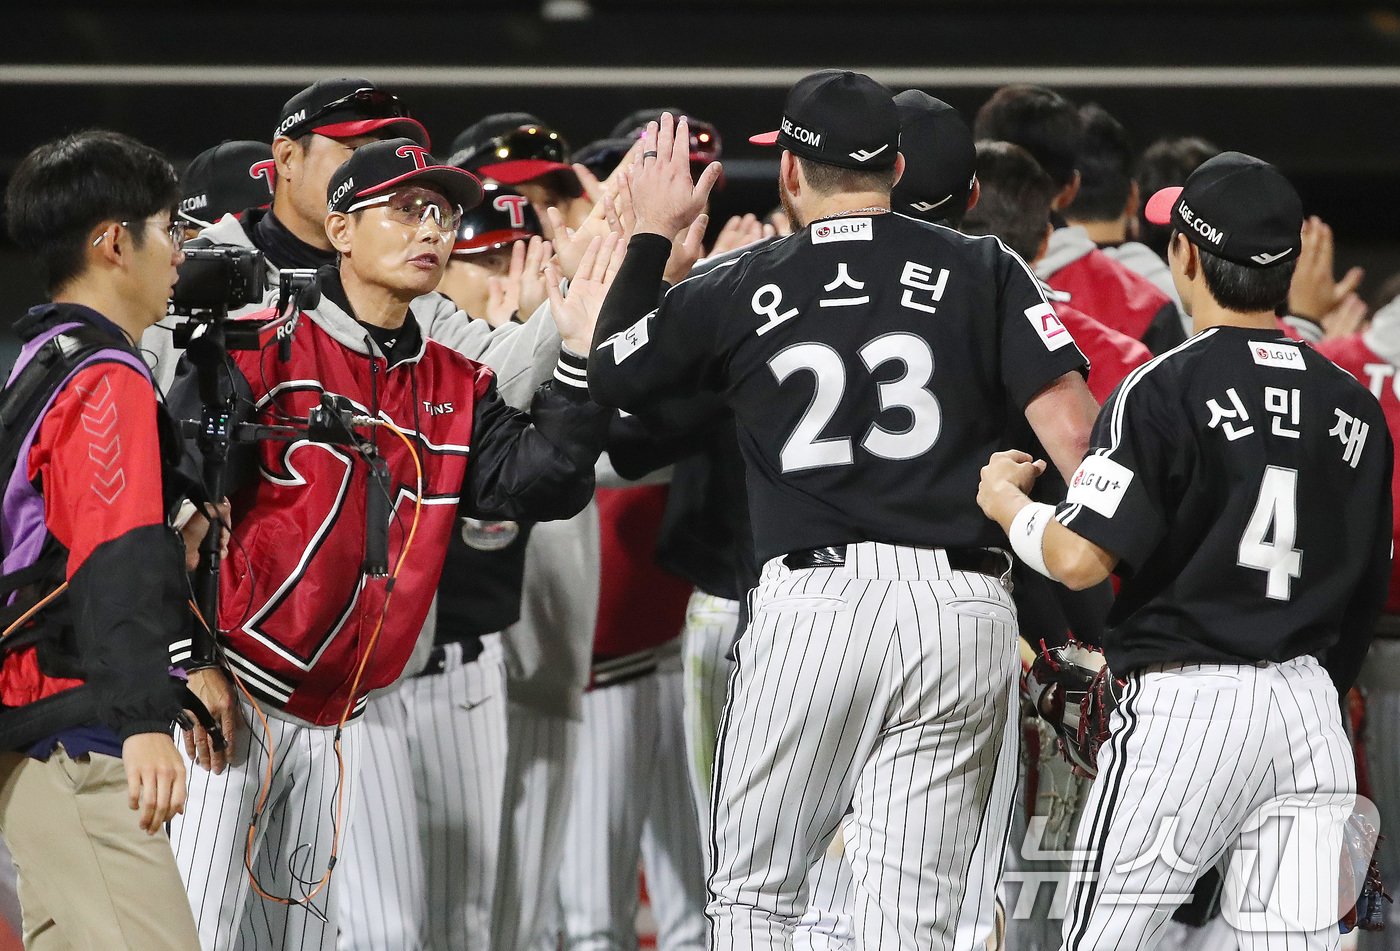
x: 872, y: 210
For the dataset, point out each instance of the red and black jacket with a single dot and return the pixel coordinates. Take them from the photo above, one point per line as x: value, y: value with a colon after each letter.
x: 86, y: 500
x: 296, y: 611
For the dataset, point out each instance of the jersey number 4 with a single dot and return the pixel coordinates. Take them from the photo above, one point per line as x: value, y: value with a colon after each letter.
x: 1277, y: 509
x: 805, y: 449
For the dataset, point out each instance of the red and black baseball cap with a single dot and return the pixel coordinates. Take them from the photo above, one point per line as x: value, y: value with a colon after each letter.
x: 841, y: 118
x: 1237, y: 207
x: 383, y: 166
x: 511, y: 147
x: 503, y: 217
x: 342, y: 108
x: 227, y: 179
x: 940, y: 158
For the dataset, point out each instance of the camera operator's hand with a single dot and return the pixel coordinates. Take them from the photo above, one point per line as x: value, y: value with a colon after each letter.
x: 576, y: 314
x: 155, y: 779
x: 197, y: 527
x: 211, y: 685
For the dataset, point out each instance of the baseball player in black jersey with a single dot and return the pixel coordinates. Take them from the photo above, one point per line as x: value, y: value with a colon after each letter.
x: 870, y: 360
x: 1240, y: 487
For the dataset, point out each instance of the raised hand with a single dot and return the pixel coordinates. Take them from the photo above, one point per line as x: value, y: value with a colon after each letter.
x: 1315, y: 292
x: 577, y: 314
x: 533, y: 292
x: 739, y: 231
x: 571, y: 243
x: 663, y: 198
x: 687, y: 248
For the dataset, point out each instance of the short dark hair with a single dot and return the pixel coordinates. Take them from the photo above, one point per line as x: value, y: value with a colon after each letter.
x: 1105, y: 167
x: 63, y: 189
x: 1039, y: 120
x: 1016, y: 198
x: 833, y: 179
x: 1165, y: 163
x: 1242, y: 288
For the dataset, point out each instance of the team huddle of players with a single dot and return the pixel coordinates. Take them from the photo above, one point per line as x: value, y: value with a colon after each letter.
x: 546, y: 693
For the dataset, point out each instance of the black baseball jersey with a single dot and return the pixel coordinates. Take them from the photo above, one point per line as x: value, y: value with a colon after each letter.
x: 1244, y: 482
x: 872, y: 364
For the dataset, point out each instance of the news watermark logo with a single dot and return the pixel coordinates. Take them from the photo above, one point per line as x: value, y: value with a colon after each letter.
x: 1295, y: 864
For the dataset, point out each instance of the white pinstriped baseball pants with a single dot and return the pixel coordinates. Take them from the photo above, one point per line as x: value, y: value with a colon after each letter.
x: 886, y: 686
x: 420, y: 867
x: 632, y: 802
x: 1199, y: 755
x: 293, y: 843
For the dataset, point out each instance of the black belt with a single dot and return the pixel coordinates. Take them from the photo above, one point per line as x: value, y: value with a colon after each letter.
x: 437, y: 657
x: 984, y: 561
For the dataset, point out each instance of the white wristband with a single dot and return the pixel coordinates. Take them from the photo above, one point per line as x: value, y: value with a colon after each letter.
x: 1028, y: 535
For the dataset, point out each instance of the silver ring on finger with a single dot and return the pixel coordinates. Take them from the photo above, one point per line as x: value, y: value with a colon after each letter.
x: 647, y: 155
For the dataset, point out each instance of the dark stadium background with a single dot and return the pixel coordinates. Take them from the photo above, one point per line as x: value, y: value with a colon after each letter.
x: 1312, y: 87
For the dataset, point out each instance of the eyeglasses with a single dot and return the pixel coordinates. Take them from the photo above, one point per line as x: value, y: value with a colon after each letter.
x: 412, y: 207
x: 175, y: 231
x: 366, y: 102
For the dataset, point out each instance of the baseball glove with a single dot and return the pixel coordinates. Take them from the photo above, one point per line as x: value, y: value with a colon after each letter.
x: 1360, y: 846
x: 1072, y: 688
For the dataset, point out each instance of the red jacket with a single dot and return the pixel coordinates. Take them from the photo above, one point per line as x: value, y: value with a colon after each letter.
x: 640, y: 604
x: 296, y: 612
x: 1112, y: 355
x: 1107, y: 291
x: 1383, y: 378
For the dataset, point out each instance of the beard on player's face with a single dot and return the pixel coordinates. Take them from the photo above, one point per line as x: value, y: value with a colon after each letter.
x: 789, y: 207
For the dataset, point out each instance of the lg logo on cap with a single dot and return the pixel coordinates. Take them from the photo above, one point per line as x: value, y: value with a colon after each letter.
x: 265, y: 169
x: 416, y: 152
x: 513, y: 205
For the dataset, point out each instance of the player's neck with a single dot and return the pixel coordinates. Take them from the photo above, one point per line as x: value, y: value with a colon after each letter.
x: 312, y: 233
x: 1207, y: 314
x: 374, y: 303
x: 830, y: 206
x: 1105, y: 232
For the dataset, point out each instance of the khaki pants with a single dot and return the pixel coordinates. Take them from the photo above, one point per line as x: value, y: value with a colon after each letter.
x: 88, y: 876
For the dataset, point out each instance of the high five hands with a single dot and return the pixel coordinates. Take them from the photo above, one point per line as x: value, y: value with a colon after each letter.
x: 658, y: 187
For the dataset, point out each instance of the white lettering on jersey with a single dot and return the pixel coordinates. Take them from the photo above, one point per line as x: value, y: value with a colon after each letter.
x: 1283, y: 355
x: 1352, y: 433
x: 629, y: 341
x: 1047, y: 324
x: 916, y: 277
x: 1099, y: 484
x: 765, y: 304
x: 847, y: 229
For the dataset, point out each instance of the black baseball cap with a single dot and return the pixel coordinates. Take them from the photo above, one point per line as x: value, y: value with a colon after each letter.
x: 503, y: 217
x: 511, y: 147
x: 940, y: 158
x: 342, y: 108
x: 227, y: 179
x: 602, y: 157
x: 382, y: 166
x: 1237, y: 207
x: 705, y: 143
x: 838, y: 117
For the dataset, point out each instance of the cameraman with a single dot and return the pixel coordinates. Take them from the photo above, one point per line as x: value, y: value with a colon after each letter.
x: 300, y: 619
x: 88, y: 699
